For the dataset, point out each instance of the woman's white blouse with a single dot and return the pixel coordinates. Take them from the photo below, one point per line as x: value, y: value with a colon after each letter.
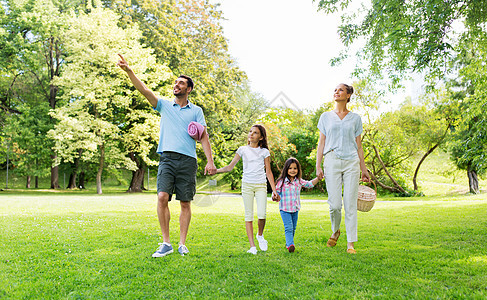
x: 341, y: 134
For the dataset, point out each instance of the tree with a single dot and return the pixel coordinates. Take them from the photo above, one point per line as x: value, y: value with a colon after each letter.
x: 433, y: 127
x: 32, y: 44
x: 403, y: 36
x: 30, y: 148
x: 468, y: 104
x: 98, y: 94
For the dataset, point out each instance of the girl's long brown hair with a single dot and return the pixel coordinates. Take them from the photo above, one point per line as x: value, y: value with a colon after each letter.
x: 263, y: 142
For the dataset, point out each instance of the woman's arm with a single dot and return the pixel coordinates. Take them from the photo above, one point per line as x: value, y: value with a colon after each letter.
x: 319, y: 156
x: 230, y: 166
x: 363, y: 167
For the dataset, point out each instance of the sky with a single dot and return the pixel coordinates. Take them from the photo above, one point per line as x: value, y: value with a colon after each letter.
x: 285, y: 47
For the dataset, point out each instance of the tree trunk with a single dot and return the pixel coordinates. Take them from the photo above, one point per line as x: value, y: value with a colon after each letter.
x: 398, y: 187
x: 74, y: 173
x: 137, y: 182
x: 72, y: 180
x: 385, y: 187
x: 428, y: 153
x: 54, y: 175
x: 27, y: 185
x: 419, y: 165
x: 82, y: 180
x: 53, y: 61
x: 473, y: 181
x: 100, y: 169
x: 36, y: 178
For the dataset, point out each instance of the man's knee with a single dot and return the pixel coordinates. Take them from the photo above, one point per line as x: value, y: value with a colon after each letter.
x: 163, y: 198
x: 185, y: 205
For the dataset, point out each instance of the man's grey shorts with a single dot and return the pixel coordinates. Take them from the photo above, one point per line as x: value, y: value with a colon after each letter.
x: 177, y: 174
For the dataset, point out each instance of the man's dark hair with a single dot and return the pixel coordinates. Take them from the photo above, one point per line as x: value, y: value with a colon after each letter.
x: 189, y: 80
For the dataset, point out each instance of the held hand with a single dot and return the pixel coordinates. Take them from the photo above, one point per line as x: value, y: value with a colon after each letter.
x: 276, y: 197
x: 210, y: 169
x: 123, y: 64
x: 319, y: 173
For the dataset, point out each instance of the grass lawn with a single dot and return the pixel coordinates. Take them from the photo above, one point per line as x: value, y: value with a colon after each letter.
x: 82, y: 246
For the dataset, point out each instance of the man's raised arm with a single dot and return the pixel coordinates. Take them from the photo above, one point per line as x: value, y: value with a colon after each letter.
x: 139, y: 85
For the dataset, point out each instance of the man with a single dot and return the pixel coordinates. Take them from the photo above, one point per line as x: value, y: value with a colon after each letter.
x: 178, y: 164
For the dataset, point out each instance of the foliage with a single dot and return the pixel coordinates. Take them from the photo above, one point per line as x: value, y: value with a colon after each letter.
x: 32, y: 45
x: 30, y: 149
x: 96, y: 91
x: 402, y: 36
x: 391, y: 142
x: 468, y: 104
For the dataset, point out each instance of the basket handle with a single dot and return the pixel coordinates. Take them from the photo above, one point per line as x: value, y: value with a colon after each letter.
x: 375, y: 187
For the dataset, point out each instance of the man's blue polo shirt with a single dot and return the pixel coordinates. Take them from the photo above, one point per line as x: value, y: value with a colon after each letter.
x: 175, y: 119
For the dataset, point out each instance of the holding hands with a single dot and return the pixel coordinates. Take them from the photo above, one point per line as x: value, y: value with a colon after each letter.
x: 210, y: 169
x: 319, y: 173
x: 275, y: 196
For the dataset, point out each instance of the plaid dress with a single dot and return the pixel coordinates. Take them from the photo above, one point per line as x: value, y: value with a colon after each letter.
x: 290, y: 192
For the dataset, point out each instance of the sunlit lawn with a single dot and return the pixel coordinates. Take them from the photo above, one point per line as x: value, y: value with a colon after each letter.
x: 90, y: 247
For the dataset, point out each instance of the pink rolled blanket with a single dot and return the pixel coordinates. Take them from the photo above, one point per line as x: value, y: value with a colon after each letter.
x: 196, y: 130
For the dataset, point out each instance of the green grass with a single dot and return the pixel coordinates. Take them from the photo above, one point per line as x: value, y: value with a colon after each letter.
x: 81, y: 246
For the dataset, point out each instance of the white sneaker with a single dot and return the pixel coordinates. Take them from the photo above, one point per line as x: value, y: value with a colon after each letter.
x: 252, y: 250
x: 182, y: 249
x: 164, y: 249
x: 262, y: 242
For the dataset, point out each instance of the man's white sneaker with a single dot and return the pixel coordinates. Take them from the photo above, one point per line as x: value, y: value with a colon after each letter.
x: 164, y: 249
x: 182, y: 249
x: 262, y: 242
x: 252, y: 250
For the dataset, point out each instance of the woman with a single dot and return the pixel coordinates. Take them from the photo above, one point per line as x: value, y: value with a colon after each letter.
x: 341, y: 146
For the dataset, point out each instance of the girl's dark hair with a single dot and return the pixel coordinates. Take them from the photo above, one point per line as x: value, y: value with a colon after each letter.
x: 263, y: 141
x: 286, y: 167
x: 349, y: 89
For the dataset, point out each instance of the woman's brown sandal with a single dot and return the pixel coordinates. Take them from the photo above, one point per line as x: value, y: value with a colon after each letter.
x: 351, y: 251
x: 333, y: 242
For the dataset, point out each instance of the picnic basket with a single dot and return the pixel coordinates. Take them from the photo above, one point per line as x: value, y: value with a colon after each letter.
x: 366, y: 197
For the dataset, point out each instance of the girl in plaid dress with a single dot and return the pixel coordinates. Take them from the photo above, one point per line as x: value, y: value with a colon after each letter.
x: 289, y: 186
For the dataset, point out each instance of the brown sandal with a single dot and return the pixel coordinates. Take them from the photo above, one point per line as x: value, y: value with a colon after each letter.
x: 333, y: 242
x: 351, y: 251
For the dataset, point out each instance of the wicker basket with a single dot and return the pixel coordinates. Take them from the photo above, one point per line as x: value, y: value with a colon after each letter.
x: 366, y: 197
